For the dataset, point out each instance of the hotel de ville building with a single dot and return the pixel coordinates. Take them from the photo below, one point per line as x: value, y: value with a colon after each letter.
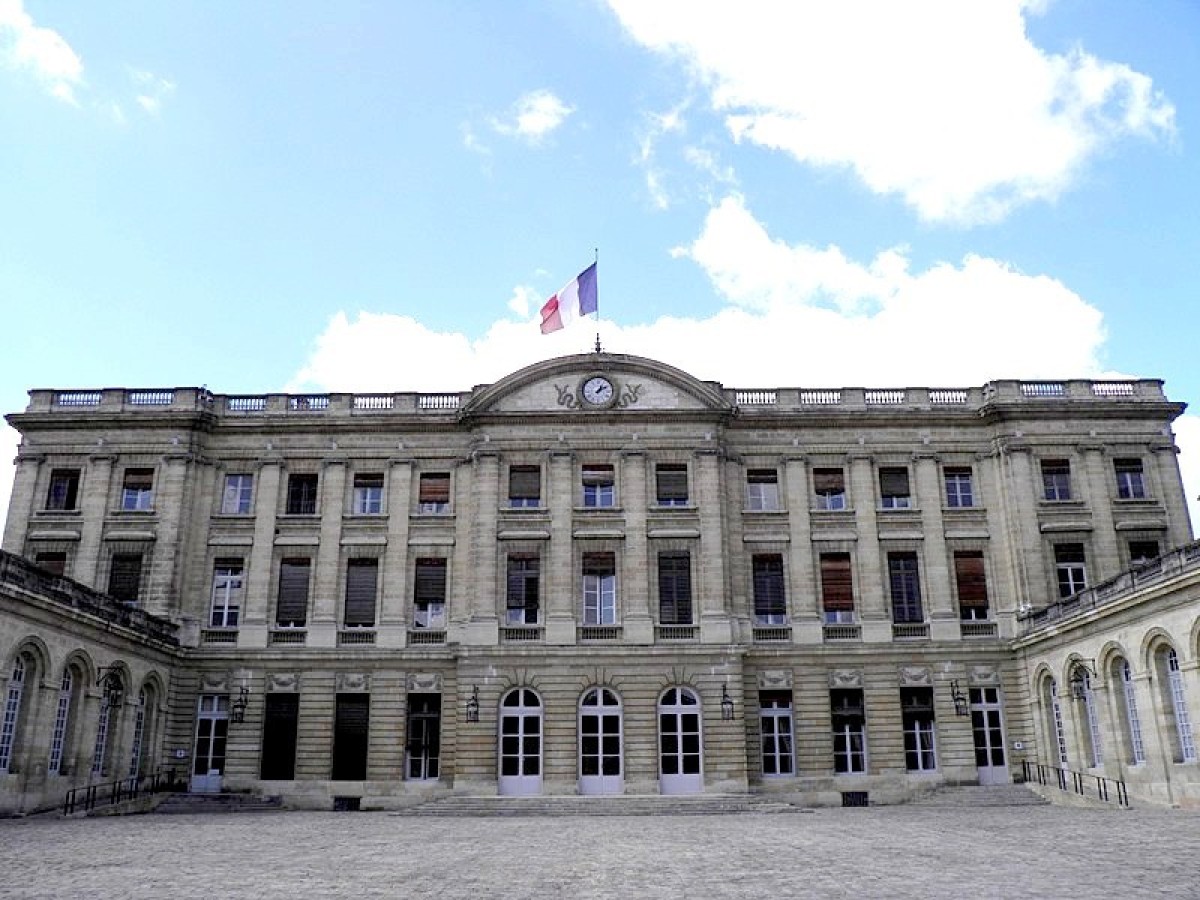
x: 599, y: 575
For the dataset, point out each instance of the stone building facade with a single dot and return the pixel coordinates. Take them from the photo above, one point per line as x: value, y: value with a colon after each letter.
x: 597, y: 575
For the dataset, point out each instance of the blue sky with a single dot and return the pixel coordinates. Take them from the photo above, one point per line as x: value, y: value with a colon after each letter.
x: 379, y: 196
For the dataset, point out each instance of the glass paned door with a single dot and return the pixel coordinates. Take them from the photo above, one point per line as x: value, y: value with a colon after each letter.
x: 988, y: 729
x: 208, y: 758
x: 600, y: 738
x: 423, y: 743
x: 681, y: 762
x: 520, y: 743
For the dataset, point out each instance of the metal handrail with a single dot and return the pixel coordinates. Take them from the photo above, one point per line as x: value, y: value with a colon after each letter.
x: 1076, y: 782
x: 83, y: 799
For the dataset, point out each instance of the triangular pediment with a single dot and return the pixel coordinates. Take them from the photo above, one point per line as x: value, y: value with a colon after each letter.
x: 597, y: 382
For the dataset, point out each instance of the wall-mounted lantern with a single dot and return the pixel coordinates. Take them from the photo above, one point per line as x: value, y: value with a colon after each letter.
x: 726, y: 704
x: 109, y: 681
x: 239, y: 705
x: 962, y: 706
x: 472, y: 709
x: 1081, y: 675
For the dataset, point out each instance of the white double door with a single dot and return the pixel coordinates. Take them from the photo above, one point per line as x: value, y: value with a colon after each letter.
x: 208, y: 754
x: 520, y: 743
x: 681, y: 757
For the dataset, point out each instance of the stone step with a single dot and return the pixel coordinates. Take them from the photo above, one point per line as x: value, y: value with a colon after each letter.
x: 599, y: 805
x: 959, y: 796
x: 217, y: 803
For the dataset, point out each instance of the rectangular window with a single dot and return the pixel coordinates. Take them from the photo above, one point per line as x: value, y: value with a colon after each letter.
x: 762, y: 489
x: 137, y: 490
x: 770, y: 605
x: 893, y: 488
x: 960, y: 492
x: 837, y: 588
x: 524, y: 486
x: 1056, y: 479
x: 63, y: 493
x: 1142, y: 552
x: 125, y: 577
x: 433, y: 495
x: 971, y: 580
x: 236, y: 497
x: 429, y: 598
x: 916, y: 710
x: 599, y: 487
x: 848, y: 717
x: 522, y: 593
x: 227, y: 592
x: 280, y: 716
x: 362, y: 586
x: 291, y: 611
x: 368, y: 494
x: 775, y: 720
x: 829, y: 485
x: 1071, y: 567
x: 905, y: 584
x: 675, y: 588
x: 351, y: 725
x: 1131, y: 482
x: 53, y: 561
x: 599, y: 589
x: 422, y: 745
x: 671, y: 484
x: 302, y: 494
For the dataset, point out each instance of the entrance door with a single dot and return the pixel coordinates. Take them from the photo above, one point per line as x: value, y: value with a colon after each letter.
x: 520, y: 743
x: 423, y: 742
x: 680, y: 758
x: 989, y: 735
x: 208, y: 758
x: 600, y: 769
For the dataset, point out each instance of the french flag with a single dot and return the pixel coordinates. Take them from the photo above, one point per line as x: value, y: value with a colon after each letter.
x: 577, y: 298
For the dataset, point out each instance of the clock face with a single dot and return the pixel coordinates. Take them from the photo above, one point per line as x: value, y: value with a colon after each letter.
x: 598, y: 391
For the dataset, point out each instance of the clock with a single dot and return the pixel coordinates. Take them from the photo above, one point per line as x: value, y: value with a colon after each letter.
x: 598, y: 391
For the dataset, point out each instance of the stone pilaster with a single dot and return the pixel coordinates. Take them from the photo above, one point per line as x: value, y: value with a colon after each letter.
x: 871, y: 598
x: 396, y: 588
x: 634, y: 584
x: 21, y: 504
x: 162, y: 589
x: 93, y: 506
x: 324, y: 600
x: 941, y: 605
x: 562, y: 579
x: 1165, y: 459
x: 715, y: 623
x: 484, y: 505
x: 1026, y: 555
x: 253, y: 632
x: 804, y: 599
x: 1097, y: 478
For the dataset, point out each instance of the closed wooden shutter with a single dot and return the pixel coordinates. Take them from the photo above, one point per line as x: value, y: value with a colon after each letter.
x: 125, y: 576
x: 523, y: 583
x: 893, y: 482
x: 524, y: 483
x: 351, y: 724
x: 430, y: 581
x: 292, y: 609
x: 829, y: 481
x: 972, y: 583
x: 768, y: 586
x: 279, y: 737
x: 362, y: 581
x: 837, y: 583
x: 675, y: 588
x: 672, y: 483
x: 435, y: 487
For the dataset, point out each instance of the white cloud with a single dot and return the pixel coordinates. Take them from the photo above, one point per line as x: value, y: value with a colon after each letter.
x: 152, y: 90
x: 1187, y: 436
x: 534, y: 116
x: 40, y: 51
x: 947, y: 104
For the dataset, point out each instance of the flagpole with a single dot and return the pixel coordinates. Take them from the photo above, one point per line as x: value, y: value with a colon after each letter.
x: 596, y: 263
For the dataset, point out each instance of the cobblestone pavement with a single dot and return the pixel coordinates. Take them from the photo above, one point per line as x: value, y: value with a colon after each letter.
x: 888, y: 852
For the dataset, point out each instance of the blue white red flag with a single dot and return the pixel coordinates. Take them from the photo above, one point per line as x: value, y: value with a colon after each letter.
x: 577, y: 298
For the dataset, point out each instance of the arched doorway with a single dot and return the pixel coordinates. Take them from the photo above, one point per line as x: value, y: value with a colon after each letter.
x: 600, y: 742
x: 520, y: 748
x: 681, y: 759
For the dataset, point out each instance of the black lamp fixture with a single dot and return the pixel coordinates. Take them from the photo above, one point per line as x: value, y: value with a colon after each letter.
x: 1081, y: 675
x: 473, y: 704
x: 962, y: 706
x: 726, y: 704
x: 238, y: 713
x: 108, y: 679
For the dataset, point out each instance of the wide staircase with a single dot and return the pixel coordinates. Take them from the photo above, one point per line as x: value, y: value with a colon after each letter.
x: 600, y: 805
x: 179, y: 804
x: 974, y: 795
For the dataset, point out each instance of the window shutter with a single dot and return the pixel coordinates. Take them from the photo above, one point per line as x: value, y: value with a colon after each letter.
x: 293, y: 592
x: 124, y: 577
x: 837, y: 584
x: 362, y: 581
x: 524, y: 482
x: 435, y: 488
x: 829, y: 481
x: 672, y: 483
x: 431, y: 581
x: 599, y: 564
x: 972, y: 584
x: 893, y: 482
x: 522, y: 582
x: 368, y: 481
x: 675, y: 588
x: 768, y: 586
x: 597, y: 474
x: 762, y: 476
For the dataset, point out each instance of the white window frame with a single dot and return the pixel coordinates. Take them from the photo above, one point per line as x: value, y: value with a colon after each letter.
x: 12, y: 712
x: 1183, y: 721
x: 62, y: 717
x: 367, y: 500
x: 960, y: 488
x: 1137, y: 745
x: 762, y: 496
x: 228, y: 591
x: 600, y: 599
x: 777, y: 729
x: 237, y: 496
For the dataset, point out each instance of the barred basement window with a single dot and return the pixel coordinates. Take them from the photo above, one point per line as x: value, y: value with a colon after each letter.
x: 524, y: 486
x: 837, y: 588
x: 137, y: 490
x: 762, y: 489
x: 362, y: 584
x: 125, y: 577
x: 770, y: 605
x: 522, y: 593
x: 368, y: 494
x: 829, y: 485
x: 302, y: 494
x: 63, y: 493
x: 429, y: 599
x: 671, y: 487
x: 674, y: 588
x: 972, y: 584
x: 292, y: 608
x: 433, y: 495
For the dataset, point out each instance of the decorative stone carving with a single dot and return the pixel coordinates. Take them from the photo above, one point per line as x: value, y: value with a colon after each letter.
x: 353, y: 683
x: 916, y: 676
x: 982, y: 674
x: 282, y: 682
x: 775, y: 679
x: 845, y: 678
x: 214, y: 682
x: 424, y: 683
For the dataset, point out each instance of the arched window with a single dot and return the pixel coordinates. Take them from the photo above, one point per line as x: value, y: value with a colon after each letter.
x: 681, y: 761
x: 62, y: 722
x: 1174, y: 703
x: 13, y: 709
x: 107, y: 725
x: 139, y: 734
x: 600, y: 739
x: 1131, y: 726
x: 1090, y: 730
x: 520, y: 749
x: 1054, y: 720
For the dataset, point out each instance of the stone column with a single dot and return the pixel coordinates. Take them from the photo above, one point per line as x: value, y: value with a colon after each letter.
x: 483, y: 627
x: 1097, y: 476
x: 871, y: 598
x: 634, y: 583
x: 322, y: 621
x: 23, y: 501
x: 940, y: 603
x: 1023, y: 541
x: 1165, y: 459
x: 804, y: 598
x: 562, y: 578
x: 715, y: 624
x: 93, y: 505
x: 162, y: 593
x: 396, y: 587
x: 258, y: 605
